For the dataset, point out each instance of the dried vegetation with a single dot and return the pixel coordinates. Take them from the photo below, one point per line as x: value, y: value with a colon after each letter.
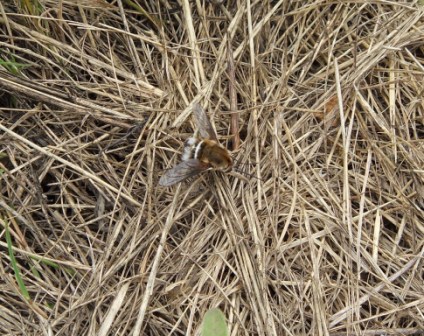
x: 325, y: 237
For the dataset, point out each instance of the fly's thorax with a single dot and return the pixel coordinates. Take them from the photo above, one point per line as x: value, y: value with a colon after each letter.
x: 213, y: 154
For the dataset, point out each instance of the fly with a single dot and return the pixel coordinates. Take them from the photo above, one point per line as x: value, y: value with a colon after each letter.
x: 201, y: 152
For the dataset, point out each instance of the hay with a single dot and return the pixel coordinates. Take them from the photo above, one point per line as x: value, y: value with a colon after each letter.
x: 325, y: 237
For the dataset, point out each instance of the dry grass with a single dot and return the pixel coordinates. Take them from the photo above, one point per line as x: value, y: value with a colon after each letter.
x: 326, y: 236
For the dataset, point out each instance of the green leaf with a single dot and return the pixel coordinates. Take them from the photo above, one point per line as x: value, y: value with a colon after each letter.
x: 214, y: 323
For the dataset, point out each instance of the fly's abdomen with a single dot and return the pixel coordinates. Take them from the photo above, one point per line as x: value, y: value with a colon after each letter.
x: 190, y: 149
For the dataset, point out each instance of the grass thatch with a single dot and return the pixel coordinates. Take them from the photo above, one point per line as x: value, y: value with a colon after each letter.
x: 325, y: 237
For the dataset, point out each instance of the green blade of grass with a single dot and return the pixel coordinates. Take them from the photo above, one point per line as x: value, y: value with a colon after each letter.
x: 143, y: 12
x: 50, y: 263
x: 33, y: 7
x: 12, y: 66
x: 18, y: 277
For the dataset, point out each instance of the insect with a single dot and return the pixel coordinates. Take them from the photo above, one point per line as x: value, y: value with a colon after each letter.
x: 201, y: 152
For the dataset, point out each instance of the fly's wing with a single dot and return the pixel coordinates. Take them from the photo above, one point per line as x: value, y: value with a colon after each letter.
x: 203, y: 123
x: 182, y: 171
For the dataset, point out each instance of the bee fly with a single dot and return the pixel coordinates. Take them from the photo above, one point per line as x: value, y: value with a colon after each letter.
x: 201, y: 152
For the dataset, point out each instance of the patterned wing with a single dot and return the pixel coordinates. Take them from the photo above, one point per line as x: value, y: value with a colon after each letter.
x: 203, y: 123
x: 182, y: 171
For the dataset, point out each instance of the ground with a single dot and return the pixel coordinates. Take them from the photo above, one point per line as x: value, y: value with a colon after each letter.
x: 317, y: 231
